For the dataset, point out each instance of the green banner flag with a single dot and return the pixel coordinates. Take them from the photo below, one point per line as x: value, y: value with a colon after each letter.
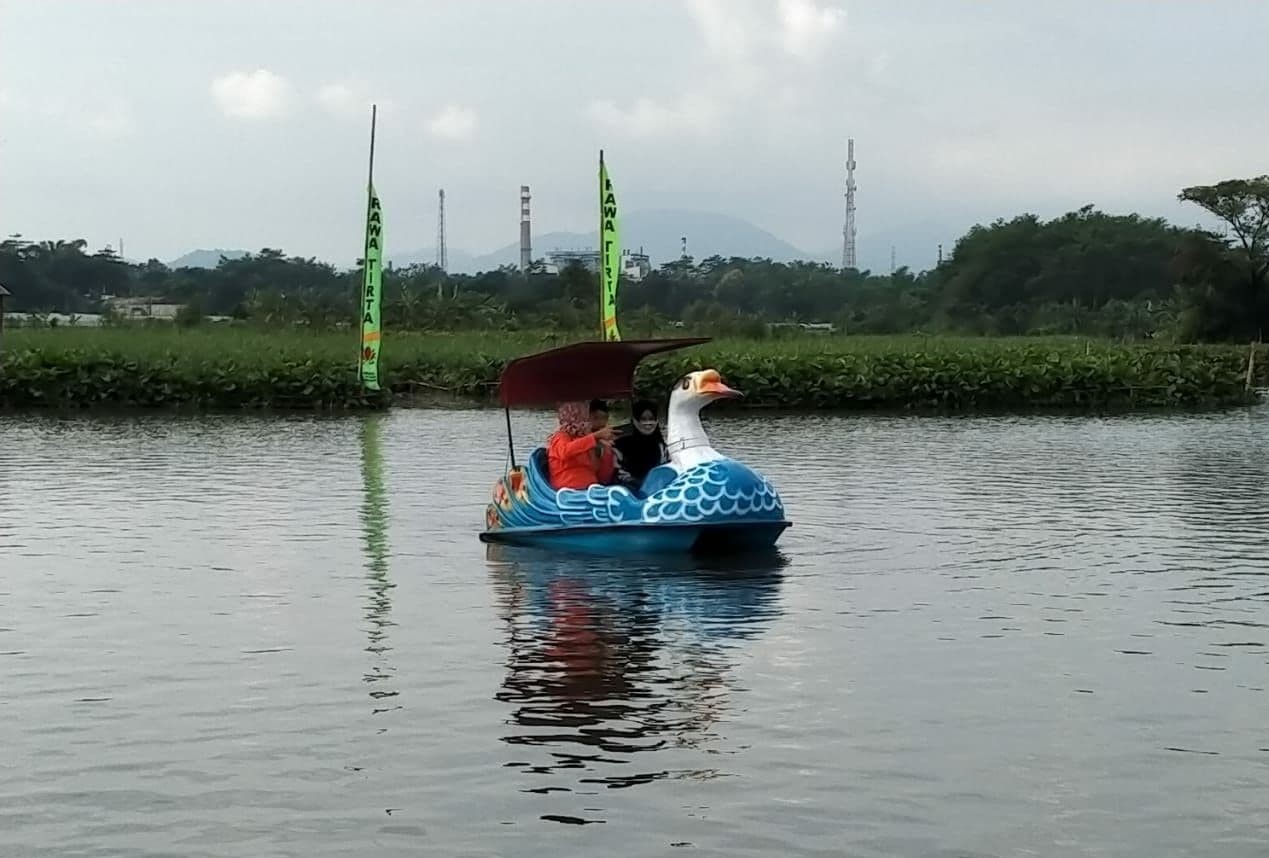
x: 371, y: 289
x: 609, y: 254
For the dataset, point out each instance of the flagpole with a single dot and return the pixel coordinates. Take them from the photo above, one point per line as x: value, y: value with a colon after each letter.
x: 374, y: 109
x: 603, y: 332
x: 370, y: 176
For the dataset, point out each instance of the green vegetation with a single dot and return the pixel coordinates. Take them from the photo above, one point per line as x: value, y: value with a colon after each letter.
x: 1120, y: 299
x: 1086, y: 273
x: 241, y: 367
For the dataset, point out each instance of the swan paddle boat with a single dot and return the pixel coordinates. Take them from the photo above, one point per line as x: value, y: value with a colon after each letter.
x: 701, y: 501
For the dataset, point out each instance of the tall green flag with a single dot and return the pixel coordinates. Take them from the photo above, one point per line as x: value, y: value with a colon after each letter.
x: 609, y: 254
x: 371, y: 278
x: 371, y: 288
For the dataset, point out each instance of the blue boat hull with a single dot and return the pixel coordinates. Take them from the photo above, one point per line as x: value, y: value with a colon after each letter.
x: 645, y: 538
x: 720, y: 507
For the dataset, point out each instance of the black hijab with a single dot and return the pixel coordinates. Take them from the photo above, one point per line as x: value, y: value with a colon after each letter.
x: 640, y: 453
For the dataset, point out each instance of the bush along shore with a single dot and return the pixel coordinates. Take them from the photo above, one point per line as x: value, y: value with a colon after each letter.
x: 245, y: 369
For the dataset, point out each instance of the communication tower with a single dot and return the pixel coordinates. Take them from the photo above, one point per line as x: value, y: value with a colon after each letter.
x: 442, y: 256
x: 848, y: 228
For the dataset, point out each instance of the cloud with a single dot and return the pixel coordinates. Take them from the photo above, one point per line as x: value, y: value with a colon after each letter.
x: 340, y: 98
x: 114, y: 121
x: 741, y: 33
x: 649, y: 118
x: 806, y: 27
x: 879, y: 65
x: 453, y: 123
x: 1011, y: 160
x: 260, y: 94
x: 101, y: 115
x: 727, y: 27
x: 352, y: 99
x: 743, y: 45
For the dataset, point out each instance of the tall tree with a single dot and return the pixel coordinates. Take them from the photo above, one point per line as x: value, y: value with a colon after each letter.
x: 1243, y: 204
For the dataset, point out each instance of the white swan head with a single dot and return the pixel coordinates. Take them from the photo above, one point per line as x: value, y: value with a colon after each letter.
x: 685, y: 436
x: 697, y: 389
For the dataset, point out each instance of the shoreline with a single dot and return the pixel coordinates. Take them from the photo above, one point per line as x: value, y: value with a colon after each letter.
x: 1131, y: 401
x: 108, y: 412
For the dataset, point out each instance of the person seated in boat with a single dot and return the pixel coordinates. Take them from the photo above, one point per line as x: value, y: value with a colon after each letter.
x: 607, y: 471
x: 575, y: 449
x: 640, y: 445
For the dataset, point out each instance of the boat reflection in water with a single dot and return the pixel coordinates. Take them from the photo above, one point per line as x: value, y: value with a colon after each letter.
x: 619, y: 671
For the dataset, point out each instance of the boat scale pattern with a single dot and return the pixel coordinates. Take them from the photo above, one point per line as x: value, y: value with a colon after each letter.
x: 712, y: 493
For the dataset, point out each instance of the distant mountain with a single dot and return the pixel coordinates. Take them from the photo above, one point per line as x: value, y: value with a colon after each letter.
x: 542, y: 245
x: 658, y: 232
x: 205, y: 258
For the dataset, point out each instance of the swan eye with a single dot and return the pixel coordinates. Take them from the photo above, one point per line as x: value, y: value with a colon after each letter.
x: 686, y: 382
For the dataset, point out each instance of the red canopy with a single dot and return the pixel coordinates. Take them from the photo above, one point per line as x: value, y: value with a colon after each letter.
x: 580, y: 371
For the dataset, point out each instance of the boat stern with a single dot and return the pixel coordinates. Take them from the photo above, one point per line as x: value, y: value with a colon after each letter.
x: 509, y: 491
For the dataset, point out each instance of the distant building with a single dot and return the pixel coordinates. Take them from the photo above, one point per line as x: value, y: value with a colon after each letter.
x: 808, y: 327
x: 70, y: 320
x: 561, y: 259
x: 634, y: 266
x: 143, y: 308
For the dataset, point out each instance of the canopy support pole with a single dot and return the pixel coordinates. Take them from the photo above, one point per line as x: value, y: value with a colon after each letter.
x: 511, y: 444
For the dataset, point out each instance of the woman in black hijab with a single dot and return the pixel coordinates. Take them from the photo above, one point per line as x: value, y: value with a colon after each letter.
x: 640, y: 443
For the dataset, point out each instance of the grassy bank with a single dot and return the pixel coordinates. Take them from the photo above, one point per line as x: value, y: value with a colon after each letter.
x: 244, y: 368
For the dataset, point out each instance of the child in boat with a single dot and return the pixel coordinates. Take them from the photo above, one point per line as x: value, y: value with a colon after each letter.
x: 574, y: 451
x: 640, y: 445
x: 607, y: 471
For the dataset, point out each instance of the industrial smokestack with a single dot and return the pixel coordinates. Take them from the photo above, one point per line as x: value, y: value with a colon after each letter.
x: 526, y: 243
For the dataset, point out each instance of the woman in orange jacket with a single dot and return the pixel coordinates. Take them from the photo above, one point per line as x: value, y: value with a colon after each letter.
x: 574, y: 452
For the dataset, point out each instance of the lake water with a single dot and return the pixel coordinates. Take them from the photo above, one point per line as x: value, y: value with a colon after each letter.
x: 224, y: 636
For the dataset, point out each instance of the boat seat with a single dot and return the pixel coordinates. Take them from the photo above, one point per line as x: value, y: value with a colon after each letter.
x: 539, y: 462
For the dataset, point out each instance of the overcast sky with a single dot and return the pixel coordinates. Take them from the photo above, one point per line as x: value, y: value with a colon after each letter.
x: 177, y: 125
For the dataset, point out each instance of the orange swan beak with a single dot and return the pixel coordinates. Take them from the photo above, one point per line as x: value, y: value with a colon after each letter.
x: 711, y: 384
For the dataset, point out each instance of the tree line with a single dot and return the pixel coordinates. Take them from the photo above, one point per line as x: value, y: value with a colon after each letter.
x: 1085, y: 272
